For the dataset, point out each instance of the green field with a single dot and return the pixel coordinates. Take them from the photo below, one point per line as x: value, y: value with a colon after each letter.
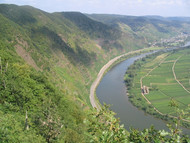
x: 157, y: 74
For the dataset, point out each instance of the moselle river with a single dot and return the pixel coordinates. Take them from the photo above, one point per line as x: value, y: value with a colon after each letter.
x: 112, y: 91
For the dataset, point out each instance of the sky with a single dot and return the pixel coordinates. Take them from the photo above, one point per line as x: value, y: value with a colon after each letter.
x: 164, y: 8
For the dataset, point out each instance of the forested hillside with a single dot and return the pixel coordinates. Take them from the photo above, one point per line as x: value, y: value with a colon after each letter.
x: 149, y: 28
x: 48, y: 62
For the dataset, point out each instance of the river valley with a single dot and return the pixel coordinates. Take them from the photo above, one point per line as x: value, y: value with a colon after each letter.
x: 112, y: 91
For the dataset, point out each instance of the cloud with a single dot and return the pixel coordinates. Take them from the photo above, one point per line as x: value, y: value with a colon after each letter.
x: 163, y: 2
x: 187, y: 2
x: 140, y: 1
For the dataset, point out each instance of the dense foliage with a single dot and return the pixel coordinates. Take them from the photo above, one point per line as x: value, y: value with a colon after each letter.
x: 31, y: 107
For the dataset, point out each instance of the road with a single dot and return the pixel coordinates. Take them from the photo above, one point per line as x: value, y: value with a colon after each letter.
x: 173, y: 70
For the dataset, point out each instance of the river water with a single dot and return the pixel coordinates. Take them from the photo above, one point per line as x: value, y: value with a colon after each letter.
x: 112, y: 91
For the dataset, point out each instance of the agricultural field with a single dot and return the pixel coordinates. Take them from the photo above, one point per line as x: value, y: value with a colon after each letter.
x: 167, y: 77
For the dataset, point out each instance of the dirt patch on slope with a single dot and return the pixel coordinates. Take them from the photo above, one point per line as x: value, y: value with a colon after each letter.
x: 26, y: 56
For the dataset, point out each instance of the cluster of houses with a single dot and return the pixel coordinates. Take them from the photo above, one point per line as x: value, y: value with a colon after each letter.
x: 178, y: 39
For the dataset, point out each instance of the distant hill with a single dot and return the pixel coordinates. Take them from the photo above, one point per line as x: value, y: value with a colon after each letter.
x: 93, y: 28
x: 148, y: 27
x: 182, y: 19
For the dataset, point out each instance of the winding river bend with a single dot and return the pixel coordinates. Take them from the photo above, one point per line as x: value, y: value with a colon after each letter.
x: 112, y: 90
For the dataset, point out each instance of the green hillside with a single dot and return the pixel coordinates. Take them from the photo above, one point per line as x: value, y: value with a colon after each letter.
x: 48, y: 62
x: 149, y: 28
x: 95, y: 29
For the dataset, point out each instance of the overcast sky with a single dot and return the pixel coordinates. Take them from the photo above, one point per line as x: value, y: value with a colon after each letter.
x: 124, y: 7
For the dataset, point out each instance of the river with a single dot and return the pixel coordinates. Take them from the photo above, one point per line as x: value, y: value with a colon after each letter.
x: 112, y: 91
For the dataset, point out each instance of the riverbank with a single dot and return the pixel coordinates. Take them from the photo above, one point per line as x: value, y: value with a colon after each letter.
x: 112, y: 91
x: 93, y: 100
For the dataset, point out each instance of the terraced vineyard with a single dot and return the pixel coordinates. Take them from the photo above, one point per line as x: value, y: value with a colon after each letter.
x: 166, y: 77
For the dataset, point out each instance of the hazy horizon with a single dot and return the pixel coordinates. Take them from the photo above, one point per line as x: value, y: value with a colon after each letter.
x: 169, y: 8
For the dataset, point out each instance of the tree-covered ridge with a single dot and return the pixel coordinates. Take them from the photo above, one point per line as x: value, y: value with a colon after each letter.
x: 21, y: 16
x: 93, y: 28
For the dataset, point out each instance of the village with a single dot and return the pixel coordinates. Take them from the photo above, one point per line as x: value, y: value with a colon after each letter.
x: 174, y: 41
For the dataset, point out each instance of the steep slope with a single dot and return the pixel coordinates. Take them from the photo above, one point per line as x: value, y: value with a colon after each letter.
x: 32, y: 109
x: 54, y: 44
